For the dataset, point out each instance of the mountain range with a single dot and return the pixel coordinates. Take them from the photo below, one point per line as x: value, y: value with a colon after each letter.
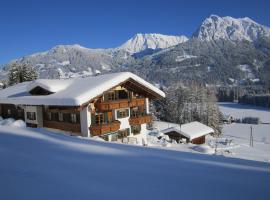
x: 223, y: 50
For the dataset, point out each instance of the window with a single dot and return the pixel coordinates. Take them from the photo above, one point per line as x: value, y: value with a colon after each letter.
x: 8, y: 111
x: 60, y: 117
x: 111, y: 96
x: 136, y: 129
x: 99, y: 118
x: 137, y: 112
x: 73, y: 118
x: 66, y: 117
x: 122, y: 113
x: 54, y: 116
x: 31, y: 115
x: 123, y: 133
x: 20, y: 113
x: 122, y: 94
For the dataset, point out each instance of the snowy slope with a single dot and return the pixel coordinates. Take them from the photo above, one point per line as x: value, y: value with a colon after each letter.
x: 229, y: 28
x: 37, y: 164
x: 67, y: 61
x: 141, y: 42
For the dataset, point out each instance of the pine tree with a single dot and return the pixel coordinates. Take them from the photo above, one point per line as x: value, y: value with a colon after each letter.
x: 185, y: 104
x: 19, y: 73
x: 13, y: 74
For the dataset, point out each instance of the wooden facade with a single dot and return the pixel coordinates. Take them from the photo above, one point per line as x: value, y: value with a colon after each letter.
x: 199, y: 140
x: 140, y: 120
x: 178, y: 137
x: 100, y: 129
x: 128, y: 96
x: 65, y: 126
x: 60, y: 118
x: 109, y: 106
x: 117, y: 104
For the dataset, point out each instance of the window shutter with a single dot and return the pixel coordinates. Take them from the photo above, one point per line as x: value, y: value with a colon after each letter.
x: 110, y: 116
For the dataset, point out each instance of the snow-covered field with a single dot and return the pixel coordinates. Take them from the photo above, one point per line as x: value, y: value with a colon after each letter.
x: 38, y: 164
x: 235, y: 138
x: 241, y: 110
x: 240, y: 133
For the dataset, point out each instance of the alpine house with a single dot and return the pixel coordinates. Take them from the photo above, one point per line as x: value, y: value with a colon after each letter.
x: 113, y: 106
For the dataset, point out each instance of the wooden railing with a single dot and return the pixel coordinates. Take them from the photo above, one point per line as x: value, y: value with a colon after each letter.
x: 123, y: 103
x: 99, y: 129
x: 137, y: 120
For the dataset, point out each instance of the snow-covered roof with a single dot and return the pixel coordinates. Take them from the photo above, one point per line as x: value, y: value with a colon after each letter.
x: 190, y: 130
x: 70, y: 92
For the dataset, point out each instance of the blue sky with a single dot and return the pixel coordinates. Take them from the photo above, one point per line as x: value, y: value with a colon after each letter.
x: 29, y: 26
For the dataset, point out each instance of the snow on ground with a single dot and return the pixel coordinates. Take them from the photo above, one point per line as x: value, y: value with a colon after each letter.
x: 241, y: 110
x: 38, y: 164
x: 165, y: 142
x: 235, y: 139
x: 240, y: 133
x: 184, y: 57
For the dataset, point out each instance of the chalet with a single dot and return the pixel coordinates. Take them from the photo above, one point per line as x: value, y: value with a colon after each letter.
x: 193, y: 132
x: 113, y: 106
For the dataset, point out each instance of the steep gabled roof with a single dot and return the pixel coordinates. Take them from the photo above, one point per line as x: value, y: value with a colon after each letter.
x: 76, y: 91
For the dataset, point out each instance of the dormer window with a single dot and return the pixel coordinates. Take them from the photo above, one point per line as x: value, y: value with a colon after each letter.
x: 39, y: 91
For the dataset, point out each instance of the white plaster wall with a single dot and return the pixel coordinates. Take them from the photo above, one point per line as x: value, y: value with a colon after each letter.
x: 30, y: 109
x: 85, y: 117
x: 39, y: 115
x: 142, y: 137
x: 124, y: 121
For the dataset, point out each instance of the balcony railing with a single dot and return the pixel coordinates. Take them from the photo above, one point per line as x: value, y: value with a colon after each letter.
x: 141, y: 119
x: 100, y: 129
x: 121, y: 103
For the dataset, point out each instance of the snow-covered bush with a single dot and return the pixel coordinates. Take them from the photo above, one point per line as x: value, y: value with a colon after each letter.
x: 19, y: 123
x: 12, y: 122
x: 7, y: 122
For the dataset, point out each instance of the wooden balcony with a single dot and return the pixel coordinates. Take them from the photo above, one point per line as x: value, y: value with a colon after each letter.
x: 123, y: 103
x: 137, y: 120
x: 99, y: 129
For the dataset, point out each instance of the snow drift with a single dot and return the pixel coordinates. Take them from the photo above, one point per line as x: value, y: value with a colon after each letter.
x: 37, y: 164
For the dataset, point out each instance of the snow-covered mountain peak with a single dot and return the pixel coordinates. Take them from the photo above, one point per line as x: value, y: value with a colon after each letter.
x: 141, y: 42
x: 229, y: 28
x: 65, y: 47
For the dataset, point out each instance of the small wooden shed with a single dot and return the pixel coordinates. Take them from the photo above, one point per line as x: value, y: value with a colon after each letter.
x: 193, y: 132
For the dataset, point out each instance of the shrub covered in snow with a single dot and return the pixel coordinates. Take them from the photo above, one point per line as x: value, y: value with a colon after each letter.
x: 19, y: 123
x: 7, y: 122
x: 12, y: 122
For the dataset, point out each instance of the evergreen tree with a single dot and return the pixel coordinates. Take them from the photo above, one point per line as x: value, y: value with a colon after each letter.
x: 19, y: 73
x: 13, y: 74
x: 186, y: 104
